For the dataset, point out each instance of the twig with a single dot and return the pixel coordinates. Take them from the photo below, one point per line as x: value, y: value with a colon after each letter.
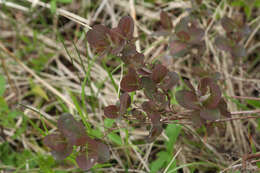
x: 64, y: 13
x: 245, y: 97
x: 174, y: 157
x: 237, y: 118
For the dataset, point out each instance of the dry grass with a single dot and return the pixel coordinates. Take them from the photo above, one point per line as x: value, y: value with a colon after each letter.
x: 63, y: 74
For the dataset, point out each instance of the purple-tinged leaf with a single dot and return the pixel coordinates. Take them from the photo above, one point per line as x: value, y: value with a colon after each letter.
x: 98, y: 38
x: 183, y: 36
x: 148, y: 84
x: 72, y: 130
x: 86, y: 163
x: 155, y: 118
x: 170, y: 80
x: 196, y: 35
x: 178, y: 48
x: 238, y: 51
x: 149, y: 87
x: 130, y: 82
x: 148, y: 107
x: 125, y: 101
x: 100, y: 149
x: 187, y: 99
x: 55, y: 142
x: 228, y: 24
x: 117, y: 41
x: 137, y: 60
x: 61, y: 155
x: 129, y: 51
x: 116, y: 36
x: 165, y: 21
x: 103, y: 152
x: 126, y: 25
x: 155, y: 132
x: 196, y: 119
x: 60, y: 148
x: 210, y: 114
x: 158, y: 73
x: 111, y: 111
x: 160, y: 100
x: 215, y: 92
x: 223, y: 44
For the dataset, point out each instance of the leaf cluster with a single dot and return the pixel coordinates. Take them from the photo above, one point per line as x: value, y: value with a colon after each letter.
x: 155, y: 80
x: 205, y: 102
x: 72, y: 133
x: 235, y: 31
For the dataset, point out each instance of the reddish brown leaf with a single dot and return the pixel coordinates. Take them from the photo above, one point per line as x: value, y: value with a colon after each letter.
x: 238, y: 51
x: 98, y: 38
x: 155, y: 118
x: 100, y: 149
x: 55, y: 142
x: 160, y: 100
x: 129, y: 83
x: 228, y: 24
x: 222, y: 105
x: 117, y: 41
x: 178, y: 48
x: 111, y: 111
x: 84, y: 162
x: 126, y: 25
x: 103, y: 152
x: 125, y: 101
x: 215, y: 92
x: 158, y: 73
x: 196, y: 35
x: 196, y: 119
x: 210, y: 114
x: 148, y: 107
x: 137, y: 60
x: 155, y: 131
x: 184, y: 36
x: 223, y: 44
x: 129, y: 51
x: 72, y: 130
x: 187, y: 99
x: 165, y: 20
x: 61, y: 155
x: 170, y: 80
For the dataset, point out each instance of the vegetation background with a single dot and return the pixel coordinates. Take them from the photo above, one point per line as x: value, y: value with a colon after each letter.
x: 47, y: 68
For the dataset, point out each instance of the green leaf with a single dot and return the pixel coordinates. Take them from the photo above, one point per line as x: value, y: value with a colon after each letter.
x: 64, y: 1
x: 108, y: 123
x: 2, y: 85
x: 53, y: 6
x: 115, y: 138
x: 172, y: 131
x: 3, y: 105
x: 160, y: 162
x: 37, y: 90
x: 254, y: 103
